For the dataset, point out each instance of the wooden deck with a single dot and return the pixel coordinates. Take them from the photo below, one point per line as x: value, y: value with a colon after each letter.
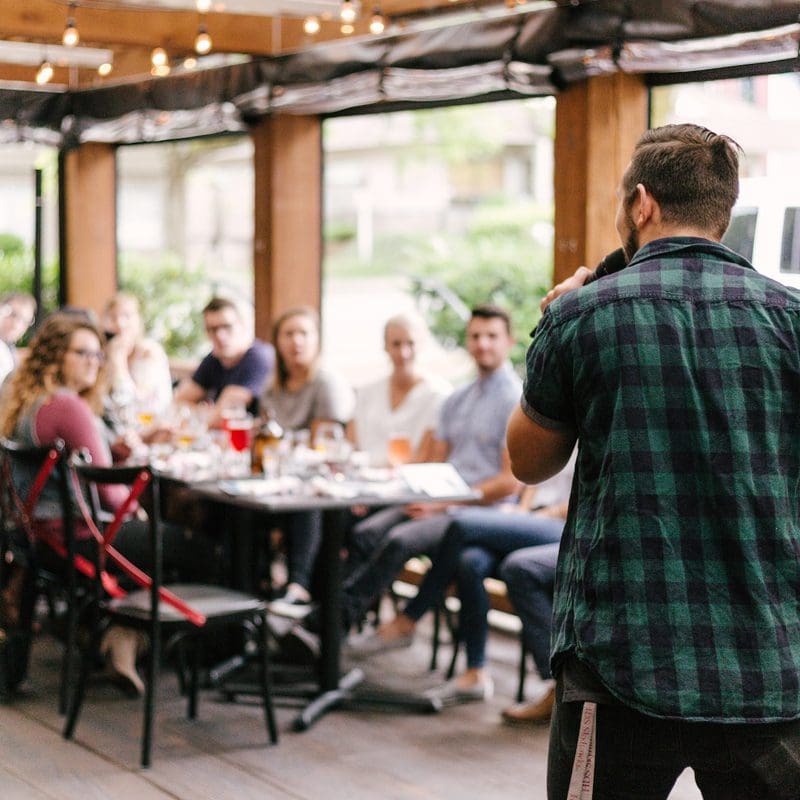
x: 461, y: 753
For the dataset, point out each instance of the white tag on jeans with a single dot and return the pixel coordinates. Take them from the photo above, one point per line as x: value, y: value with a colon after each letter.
x: 581, y: 784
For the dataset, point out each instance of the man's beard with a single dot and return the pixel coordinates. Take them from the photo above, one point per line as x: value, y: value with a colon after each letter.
x: 631, y: 243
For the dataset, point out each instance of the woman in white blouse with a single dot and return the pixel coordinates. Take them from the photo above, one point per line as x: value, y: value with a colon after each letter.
x: 405, y: 403
x: 138, y: 368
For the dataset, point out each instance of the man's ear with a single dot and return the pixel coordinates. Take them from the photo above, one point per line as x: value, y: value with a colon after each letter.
x: 646, y: 207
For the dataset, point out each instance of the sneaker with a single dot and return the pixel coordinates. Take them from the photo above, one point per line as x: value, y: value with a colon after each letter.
x: 372, y: 643
x: 450, y: 693
x: 291, y: 605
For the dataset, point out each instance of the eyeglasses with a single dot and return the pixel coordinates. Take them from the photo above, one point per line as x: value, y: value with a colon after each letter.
x: 213, y: 330
x: 94, y: 355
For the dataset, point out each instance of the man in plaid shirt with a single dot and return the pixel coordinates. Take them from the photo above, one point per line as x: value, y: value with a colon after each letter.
x: 676, y: 636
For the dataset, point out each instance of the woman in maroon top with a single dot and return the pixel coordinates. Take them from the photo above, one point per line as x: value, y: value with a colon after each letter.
x: 57, y: 393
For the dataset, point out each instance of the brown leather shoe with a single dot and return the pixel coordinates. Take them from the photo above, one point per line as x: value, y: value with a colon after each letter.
x: 532, y: 712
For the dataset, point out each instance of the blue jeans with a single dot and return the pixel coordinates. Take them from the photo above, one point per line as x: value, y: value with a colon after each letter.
x: 529, y: 575
x: 473, y: 546
x: 640, y: 757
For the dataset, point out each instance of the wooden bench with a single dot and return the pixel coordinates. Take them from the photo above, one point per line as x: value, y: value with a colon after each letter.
x: 501, y: 614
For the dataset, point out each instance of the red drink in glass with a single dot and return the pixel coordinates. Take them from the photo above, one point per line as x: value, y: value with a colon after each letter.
x: 239, y: 433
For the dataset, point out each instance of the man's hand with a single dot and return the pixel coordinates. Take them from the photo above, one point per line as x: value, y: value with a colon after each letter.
x: 575, y: 281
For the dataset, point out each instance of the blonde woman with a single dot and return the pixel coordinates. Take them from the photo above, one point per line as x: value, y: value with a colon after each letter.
x: 138, y: 368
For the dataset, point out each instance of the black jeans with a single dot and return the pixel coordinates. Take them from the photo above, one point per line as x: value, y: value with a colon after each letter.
x: 640, y: 757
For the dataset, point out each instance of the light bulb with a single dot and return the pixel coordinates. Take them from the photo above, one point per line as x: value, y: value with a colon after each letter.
x: 202, y: 42
x: 347, y: 12
x: 190, y: 63
x: 311, y: 25
x: 160, y: 70
x: 377, y: 23
x: 346, y: 28
x: 203, y: 6
x: 45, y: 73
x: 158, y: 58
x: 105, y: 69
x: 71, y: 36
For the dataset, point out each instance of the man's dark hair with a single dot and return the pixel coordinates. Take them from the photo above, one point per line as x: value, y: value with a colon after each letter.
x: 490, y: 311
x: 220, y: 304
x: 692, y: 172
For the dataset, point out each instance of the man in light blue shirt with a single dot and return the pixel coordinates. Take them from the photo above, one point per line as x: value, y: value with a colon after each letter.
x: 471, y: 437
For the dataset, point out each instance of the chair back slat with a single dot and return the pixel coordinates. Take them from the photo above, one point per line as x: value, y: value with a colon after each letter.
x: 138, y: 480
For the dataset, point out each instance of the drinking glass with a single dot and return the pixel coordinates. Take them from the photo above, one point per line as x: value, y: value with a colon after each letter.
x: 398, y: 450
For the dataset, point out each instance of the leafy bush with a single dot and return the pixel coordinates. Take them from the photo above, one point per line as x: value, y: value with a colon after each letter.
x: 498, y: 261
x: 16, y: 275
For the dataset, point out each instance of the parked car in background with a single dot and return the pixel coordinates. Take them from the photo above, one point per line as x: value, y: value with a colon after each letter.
x: 765, y: 228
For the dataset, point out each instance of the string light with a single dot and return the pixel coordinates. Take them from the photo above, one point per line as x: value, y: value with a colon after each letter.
x: 311, y: 25
x: 202, y: 42
x: 160, y: 70
x: 347, y: 12
x: 104, y: 70
x: 377, y: 23
x: 346, y: 28
x: 158, y: 58
x: 45, y: 73
x: 190, y: 63
x: 203, y: 6
x: 70, y: 37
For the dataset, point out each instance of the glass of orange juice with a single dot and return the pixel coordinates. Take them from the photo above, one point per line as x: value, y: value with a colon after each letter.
x: 398, y: 450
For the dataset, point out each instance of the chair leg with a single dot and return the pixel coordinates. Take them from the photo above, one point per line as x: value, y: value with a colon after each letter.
x: 150, y: 691
x: 436, y: 638
x: 523, y: 669
x: 194, y: 679
x: 78, y: 695
x: 266, y: 683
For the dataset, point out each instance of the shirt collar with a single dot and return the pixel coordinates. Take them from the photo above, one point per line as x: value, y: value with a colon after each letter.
x: 676, y: 245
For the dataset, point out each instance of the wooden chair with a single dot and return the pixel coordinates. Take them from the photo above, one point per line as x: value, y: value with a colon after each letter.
x: 25, y: 471
x: 189, y: 612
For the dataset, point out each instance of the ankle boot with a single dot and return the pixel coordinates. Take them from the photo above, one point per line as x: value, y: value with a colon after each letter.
x: 122, y: 646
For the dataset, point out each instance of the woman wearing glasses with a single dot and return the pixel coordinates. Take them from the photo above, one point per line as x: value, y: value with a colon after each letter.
x: 57, y: 393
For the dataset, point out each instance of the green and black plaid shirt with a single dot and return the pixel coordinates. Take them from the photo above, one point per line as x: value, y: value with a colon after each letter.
x: 679, y: 576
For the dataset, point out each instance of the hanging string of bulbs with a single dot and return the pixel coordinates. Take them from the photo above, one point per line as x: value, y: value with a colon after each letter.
x: 348, y: 15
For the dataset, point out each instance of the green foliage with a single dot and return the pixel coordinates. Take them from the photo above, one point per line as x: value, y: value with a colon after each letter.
x: 11, y: 245
x: 171, y: 297
x: 508, y: 268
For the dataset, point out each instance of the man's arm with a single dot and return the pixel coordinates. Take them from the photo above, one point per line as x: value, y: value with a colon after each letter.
x: 187, y: 391
x: 234, y: 396
x: 537, y: 453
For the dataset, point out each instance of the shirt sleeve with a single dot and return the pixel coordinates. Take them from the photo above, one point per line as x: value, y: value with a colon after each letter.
x: 68, y: 417
x: 255, y: 368
x: 546, y: 393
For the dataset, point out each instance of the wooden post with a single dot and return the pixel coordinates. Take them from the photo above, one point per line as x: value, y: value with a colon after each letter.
x: 288, y: 217
x: 598, y: 122
x: 89, y: 252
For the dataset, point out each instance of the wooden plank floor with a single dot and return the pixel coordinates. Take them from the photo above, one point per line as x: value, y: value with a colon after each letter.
x: 463, y: 752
